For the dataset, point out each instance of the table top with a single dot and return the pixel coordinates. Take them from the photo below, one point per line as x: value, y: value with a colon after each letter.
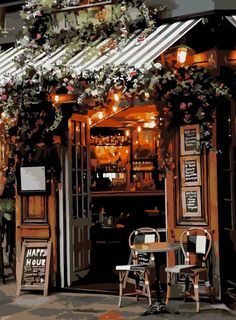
x: 156, y: 247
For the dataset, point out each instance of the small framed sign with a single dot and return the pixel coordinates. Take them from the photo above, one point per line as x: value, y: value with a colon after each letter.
x: 190, y: 139
x: 34, y: 266
x: 190, y: 171
x: 33, y: 180
x: 191, y: 202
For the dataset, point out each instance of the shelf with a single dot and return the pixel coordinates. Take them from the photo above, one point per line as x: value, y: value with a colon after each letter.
x: 124, y: 144
x: 115, y: 193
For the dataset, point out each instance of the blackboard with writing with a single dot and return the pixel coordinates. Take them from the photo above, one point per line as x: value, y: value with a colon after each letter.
x: 190, y: 136
x: 190, y: 171
x: 34, y: 269
x: 191, y: 202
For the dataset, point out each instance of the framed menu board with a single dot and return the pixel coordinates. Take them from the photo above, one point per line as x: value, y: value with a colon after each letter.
x: 190, y: 139
x: 190, y: 171
x: 191, y: 202
x: 34, y: 266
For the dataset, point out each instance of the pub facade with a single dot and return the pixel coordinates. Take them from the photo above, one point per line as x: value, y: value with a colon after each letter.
x: 126, y: 132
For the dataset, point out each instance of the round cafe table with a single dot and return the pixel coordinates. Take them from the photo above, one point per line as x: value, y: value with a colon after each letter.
x: 158, y: 306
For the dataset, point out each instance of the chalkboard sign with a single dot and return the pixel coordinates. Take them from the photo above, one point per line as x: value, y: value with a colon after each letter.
x: 189, y: 139
x: 34, y: 267
x: 191, y: 202
x: 190, y: 171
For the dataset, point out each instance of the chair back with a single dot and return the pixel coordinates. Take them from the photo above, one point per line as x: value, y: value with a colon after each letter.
x: 142, y: 235
x: 196, y: 244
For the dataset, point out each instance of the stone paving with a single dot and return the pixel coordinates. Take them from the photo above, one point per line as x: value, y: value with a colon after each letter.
x: 81, y: 306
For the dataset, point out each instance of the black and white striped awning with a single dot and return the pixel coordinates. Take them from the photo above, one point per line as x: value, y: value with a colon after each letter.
x: 137, y: 53
x: 232, y: 19
x: 134, y: 53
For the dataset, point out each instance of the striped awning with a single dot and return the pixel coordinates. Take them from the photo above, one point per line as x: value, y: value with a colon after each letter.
x: 137, y: 53
x: 232, y: 19
x: 134, y: 53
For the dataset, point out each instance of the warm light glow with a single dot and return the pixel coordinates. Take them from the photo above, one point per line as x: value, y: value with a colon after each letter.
x: 127, y: 133
x: 90, y: 121
x: 116, y: 97
x: 181, y: 54
x: 139, y: 129
x: 100, y: 115
x: 114, y: 108
x: 56, y: 98
x: 146, y: 95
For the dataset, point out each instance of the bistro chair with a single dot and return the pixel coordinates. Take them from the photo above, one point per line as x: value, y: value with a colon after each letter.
x: 139, y: 265
x: 195, y: 244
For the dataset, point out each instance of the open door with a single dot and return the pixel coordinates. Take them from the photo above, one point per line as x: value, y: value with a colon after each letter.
x: 78, y: 199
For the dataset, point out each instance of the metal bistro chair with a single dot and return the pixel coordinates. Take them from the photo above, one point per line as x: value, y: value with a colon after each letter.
x: 139, y: 265
x: 195, y: 245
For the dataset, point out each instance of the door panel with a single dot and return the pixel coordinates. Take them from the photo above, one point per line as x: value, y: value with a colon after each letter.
x: 78, y: 235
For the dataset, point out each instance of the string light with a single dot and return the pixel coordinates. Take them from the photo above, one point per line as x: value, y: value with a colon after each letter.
x: 116, y: 97
x: 114, y: 108
x: 139, y: 129
x: 100, y: 115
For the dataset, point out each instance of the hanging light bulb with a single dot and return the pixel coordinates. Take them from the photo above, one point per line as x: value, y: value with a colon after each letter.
x: 116, y: 97
x: 100, y: 115
x: 139, y: 129
x: 182, y: 54
x: 114, y: 108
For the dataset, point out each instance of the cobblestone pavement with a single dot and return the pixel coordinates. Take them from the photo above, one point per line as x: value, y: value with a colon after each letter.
x: 80, y: 306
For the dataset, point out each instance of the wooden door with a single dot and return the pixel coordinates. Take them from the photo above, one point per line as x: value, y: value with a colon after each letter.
x: 78, y: 185
x: 180, y: 212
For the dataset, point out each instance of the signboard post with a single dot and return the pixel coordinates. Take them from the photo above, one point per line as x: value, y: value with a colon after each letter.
x: 34, y: 266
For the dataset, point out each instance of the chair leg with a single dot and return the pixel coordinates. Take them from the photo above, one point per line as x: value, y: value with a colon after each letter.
x: 122, y: 277
x: 196, y: 291
x: 168, y: 290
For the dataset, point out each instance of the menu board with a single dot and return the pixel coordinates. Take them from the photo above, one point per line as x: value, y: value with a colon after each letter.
x: 34, y: 267
x: 189, y: 139
x: 191, y: 202
x: 190, y: 171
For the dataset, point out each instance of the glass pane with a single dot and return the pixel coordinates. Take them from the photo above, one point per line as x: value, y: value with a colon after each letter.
x: 83, y: 135
x: 79, y: 164
x: 80, y: 203
x: 74, y: 182
x: 78, y: 133
x: 79, y: 179
x: 85, y: 158
x: 86, y: 207
x: 85, y: 182
x: 75, y: 210
x: 73, y: 131
x: 73, y: 155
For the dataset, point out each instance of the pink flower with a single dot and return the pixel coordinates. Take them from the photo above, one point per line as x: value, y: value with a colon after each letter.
x: 3, y: 97
x: 183, y: 106
x: 38, y: 36
x: 70, y: 88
